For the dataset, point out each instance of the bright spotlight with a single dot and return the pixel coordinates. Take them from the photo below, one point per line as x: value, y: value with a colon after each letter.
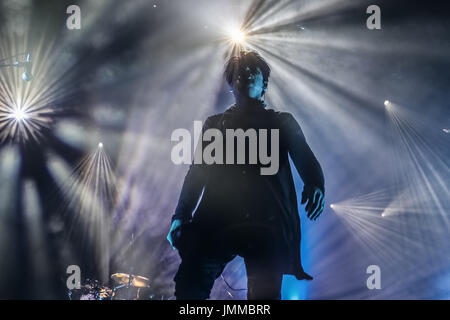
x: 100, y: 145
x: 19, y: 115
x: 332, y: 206
x: 237, y: 36
x: 387, y: 103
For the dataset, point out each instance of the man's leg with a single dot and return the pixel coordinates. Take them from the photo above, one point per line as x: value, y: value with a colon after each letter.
x: 202, y: 262
x: 263, y: 282
x: 195, y: 277
x: 263, y: 261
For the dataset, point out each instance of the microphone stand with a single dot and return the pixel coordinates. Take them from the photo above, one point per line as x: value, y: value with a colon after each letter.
x: 130, y: 279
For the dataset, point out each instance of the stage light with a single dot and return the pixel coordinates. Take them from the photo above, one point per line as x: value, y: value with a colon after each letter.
x: 237, y: 36
x: 22, y: 121
x: 100, y: 145
x: 19, y: 114
x: 387, y: 103
x: 332, y: 206
x: 446, y: 130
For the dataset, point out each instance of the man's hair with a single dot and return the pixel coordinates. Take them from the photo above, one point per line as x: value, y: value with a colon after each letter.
x: 236, y: 65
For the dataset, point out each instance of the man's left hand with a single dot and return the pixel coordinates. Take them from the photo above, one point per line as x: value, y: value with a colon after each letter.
x: 315, y: 201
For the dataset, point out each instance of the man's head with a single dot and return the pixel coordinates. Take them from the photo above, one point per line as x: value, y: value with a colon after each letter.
x: 247, y: 74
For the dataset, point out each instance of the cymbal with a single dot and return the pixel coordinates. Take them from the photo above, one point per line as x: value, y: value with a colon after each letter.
x: 136, y: 281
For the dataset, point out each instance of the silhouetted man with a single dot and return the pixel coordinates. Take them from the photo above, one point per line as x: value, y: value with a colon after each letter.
x: 241, y: 211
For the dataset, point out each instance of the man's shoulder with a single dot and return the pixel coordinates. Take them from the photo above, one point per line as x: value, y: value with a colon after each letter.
x: 280, y: 116
x: 277, y: 113
x: 213, y: 119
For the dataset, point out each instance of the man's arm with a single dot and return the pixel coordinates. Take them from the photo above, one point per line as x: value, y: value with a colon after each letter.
x: 307, y: 166
x: 190, y: 193
x: 193, y: 184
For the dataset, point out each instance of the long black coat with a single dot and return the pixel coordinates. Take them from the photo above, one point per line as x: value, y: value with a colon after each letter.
x: 234, y: 194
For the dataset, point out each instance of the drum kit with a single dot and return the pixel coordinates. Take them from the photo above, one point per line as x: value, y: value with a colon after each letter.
x: 126, y: 287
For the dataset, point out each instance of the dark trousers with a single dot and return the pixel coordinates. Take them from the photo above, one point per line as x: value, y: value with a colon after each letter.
x: 204, y: 256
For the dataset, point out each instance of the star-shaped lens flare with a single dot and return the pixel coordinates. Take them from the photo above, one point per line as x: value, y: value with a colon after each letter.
x: 22, y: 123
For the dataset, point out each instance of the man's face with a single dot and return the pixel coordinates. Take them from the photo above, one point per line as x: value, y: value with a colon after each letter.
x: 250, y: 83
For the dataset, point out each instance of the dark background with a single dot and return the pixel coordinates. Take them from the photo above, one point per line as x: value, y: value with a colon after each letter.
x: 135, y: 72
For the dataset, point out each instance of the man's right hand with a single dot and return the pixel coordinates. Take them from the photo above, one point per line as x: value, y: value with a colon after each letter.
x: 175, y: 225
